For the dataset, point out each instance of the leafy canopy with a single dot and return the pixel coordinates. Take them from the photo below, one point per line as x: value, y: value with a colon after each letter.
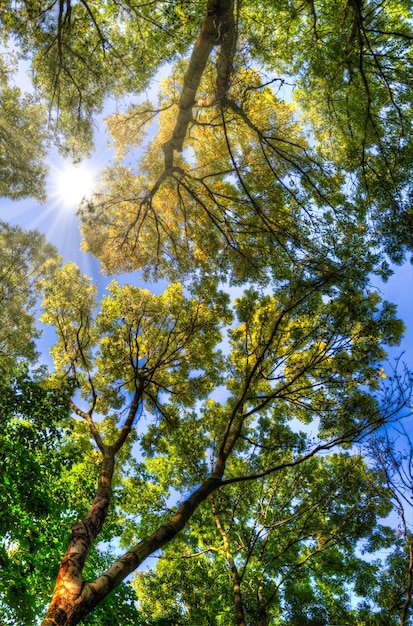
x: 276, y: 161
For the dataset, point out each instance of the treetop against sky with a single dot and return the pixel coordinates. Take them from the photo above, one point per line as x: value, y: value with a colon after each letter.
x: 219, y: 434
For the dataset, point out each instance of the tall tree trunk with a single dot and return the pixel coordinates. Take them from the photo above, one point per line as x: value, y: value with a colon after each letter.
x: 73, y: 598
x: 239, y: 605
x: 236, y: 578
x: 217, y: 29
x: 262, y: 609
x: 71, y: 591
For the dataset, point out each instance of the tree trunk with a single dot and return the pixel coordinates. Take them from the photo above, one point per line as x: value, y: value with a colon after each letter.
x: 217, y: 29
x: 236, y: 578
x: 71, y: 593
x: 239, y: 605
x: 262, y: 616
x: 73, y: 598
x: 262, y: 609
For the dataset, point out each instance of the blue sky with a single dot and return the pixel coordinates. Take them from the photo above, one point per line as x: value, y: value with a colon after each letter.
x: 61, y: 226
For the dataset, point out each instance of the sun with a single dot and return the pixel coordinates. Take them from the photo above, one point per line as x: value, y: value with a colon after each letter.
x: 70, y: 183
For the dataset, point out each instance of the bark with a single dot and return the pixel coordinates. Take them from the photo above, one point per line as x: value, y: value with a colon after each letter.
x: 236, y: 578
x: 71, y: 592
x: 262, y: 609
x: 262, y: 617
x: 200, y: 54
x: 217, y: 29
x: 165, y: 533
x: 73, y: 598
x: 239, y: 606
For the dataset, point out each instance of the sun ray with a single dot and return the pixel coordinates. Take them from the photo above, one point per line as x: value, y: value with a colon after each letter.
x: 70, y: 183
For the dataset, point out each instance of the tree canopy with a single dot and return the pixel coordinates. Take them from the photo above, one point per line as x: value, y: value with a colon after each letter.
x: 213, y: 426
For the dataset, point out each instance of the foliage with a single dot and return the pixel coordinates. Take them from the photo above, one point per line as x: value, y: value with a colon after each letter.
x: 32, y: 503
x: 23, y: 260
x: 81, y: 52
x: 143, y: 363
x: 118, y: 609
x: 289, y: 542
x: 392, y: 454
x: 277, y: 163
x: 259, y: 170
x: 23, y: 139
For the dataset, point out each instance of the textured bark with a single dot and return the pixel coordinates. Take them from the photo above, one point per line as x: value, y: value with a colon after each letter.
x: 217, y: 29
x: 71, y: 591
x: 127, y: 563
x: 73, y: 598
x: 262, y: 610
x: 262, y: 618
x: 239, y: 606
x: 199, y: 58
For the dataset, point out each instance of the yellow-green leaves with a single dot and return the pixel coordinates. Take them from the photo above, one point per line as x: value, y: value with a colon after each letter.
x: 69, y: 300
x: 24, y: 259
x: 277, y: 161
x: 310, y: 358
x: 23, y: 138
x: 163, y: 346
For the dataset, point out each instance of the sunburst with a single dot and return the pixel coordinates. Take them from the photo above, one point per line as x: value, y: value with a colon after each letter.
x: 70, y: 183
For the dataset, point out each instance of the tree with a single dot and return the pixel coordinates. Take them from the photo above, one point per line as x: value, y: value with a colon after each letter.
x: 24, y: 257
x: 23, y: 139
x: 32, y: 425
x: 186, y: 396
x: 44, y: 472
x: 253, y: 167
x: 393, y: 594
x: 45, y: 486
x: 82, y: 52
x: 152, y: 358
x: 282, y: 550
x: 31, y: 463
